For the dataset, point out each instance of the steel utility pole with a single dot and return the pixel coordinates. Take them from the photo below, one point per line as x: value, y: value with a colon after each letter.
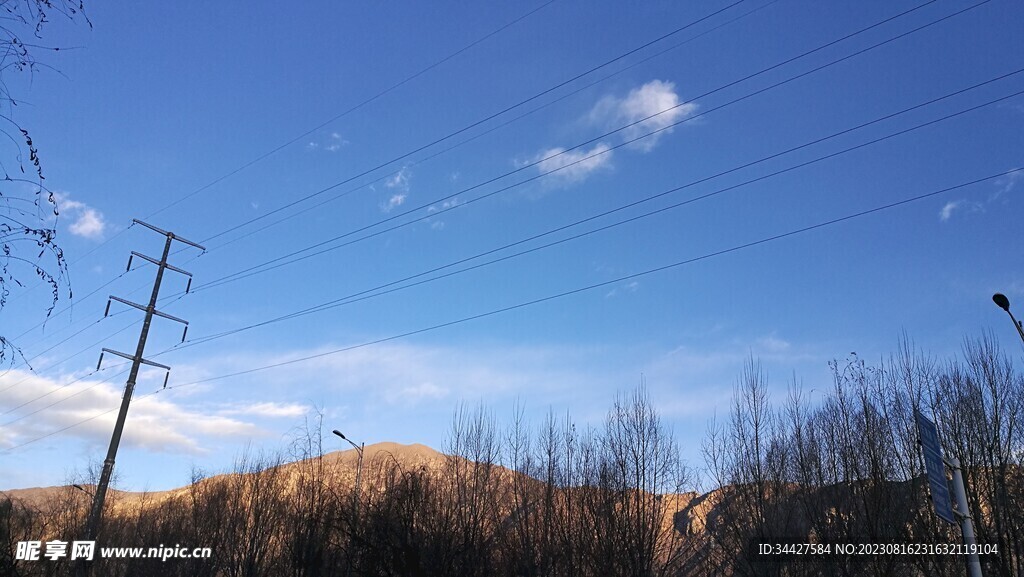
x: 96, y: 512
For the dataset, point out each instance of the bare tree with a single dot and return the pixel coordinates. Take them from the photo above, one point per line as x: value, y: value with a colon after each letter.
x: 28, y: 210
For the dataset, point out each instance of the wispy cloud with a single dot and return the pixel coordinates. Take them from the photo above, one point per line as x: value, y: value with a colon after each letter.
x: 630, y: 287
x: 331, y: 143
x: 86, y: 221
x: 1002, y: 185
x: 652, y: 106
x: 1005, y: 184
x: 435, y: 222
x: 399, y: 180
x: 947, y: 211
x: 573, y: 166
x: 395, y: 201
x: 336, y: 142
x: 398, y: 183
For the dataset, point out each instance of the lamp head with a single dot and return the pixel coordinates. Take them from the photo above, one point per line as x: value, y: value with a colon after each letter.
x: 1001, y: 300
x: 337, y: 432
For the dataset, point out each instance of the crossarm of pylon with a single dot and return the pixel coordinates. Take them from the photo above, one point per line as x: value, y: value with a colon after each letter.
x: 143, y: 309
x: 130, y: 358
x: 168, y: 234
x: 157, y: 263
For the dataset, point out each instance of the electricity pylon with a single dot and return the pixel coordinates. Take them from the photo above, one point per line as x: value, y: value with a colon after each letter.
x: 96, y: 512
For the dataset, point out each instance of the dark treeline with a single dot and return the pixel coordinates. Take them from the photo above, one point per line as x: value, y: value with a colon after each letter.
x: 838, y: 464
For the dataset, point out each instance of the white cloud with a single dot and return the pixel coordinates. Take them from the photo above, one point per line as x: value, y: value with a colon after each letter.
x: 86, y: 221
x: 947, y: 211
x: 333, y: 143
x: 396, y: 200
x: 65, y: 203
x: 399, y: 180
x: 156, y: 423
x: 656, y: 99
x: 652, y: 106
x: 435, y: 222
x: 89, y: 224
x: 573, y: 166
x: 399, y: 183
x: 450, y: 203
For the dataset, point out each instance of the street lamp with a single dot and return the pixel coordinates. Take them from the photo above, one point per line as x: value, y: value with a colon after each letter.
x: 359, y: 465
x: 83, y: 489
x: 1004, y: 303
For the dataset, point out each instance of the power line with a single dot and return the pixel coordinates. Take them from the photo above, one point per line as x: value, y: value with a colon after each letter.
x: 571, y: 292
x: 614, y: 281
x: 92, y: 346
x: 26, y: 361
x: 360, y: 105
x: 286, y: 259
x: 73, y: 355
x: 704, y: 180
x: 521, y: 103
x: 175, y: 297
x: 59, y: 401
x: 476, y: 123
x: 321, y: 125
x: 236, y: 276
x: 70, y: 306
x: 496, y: 127
x: 577, y: 77
x: 86, y: 297
x: 364, y: 294
x: 370, y: 293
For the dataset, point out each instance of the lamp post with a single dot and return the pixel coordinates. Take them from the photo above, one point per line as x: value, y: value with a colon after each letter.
x: 83, y: 490
x: 1004, y: 303
x: 355, y: 500
x: 359, y: 466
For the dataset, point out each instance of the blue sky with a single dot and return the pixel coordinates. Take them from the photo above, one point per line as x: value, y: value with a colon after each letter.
x: 158, y: 100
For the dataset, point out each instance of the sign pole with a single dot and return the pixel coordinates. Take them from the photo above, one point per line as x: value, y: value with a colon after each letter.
x: 963, y: 512
x: 935, y: 464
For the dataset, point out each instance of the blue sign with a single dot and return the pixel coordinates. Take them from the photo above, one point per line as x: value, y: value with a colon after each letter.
x: 929, y: 439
